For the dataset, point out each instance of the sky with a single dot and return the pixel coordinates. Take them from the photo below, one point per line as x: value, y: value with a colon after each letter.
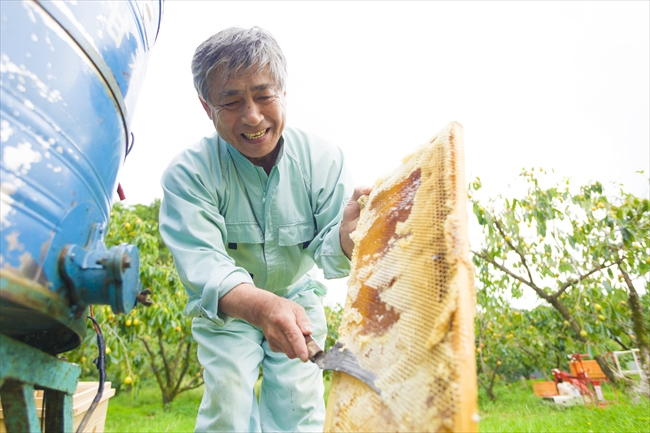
x: 560, y: 85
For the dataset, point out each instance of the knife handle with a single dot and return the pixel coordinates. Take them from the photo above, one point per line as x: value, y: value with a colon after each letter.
x: 312, y: 347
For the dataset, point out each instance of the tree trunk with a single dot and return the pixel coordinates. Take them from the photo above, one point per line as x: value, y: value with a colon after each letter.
x: 167, y: 397
x: 613, y: 376
x: 491, y: 394
x: 638, y: 325
x: 487, y: 388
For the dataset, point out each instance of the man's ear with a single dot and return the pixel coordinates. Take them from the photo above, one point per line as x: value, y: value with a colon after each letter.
x: 206, y: 107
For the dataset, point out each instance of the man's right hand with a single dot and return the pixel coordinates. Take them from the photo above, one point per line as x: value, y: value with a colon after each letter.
x: 283, y: 322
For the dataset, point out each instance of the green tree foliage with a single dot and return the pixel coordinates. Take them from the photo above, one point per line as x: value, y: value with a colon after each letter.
x: 333, y: 317
x: 149, y: 342
x: 580, y: 252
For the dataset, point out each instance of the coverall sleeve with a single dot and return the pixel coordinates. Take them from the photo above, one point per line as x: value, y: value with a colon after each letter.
x: 195, y: 232
x: 331, y: 189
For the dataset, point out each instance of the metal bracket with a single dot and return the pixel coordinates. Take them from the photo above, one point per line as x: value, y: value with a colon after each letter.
x: 95, y: 275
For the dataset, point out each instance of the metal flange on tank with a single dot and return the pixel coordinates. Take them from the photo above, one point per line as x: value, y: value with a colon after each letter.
x: 95, y: 275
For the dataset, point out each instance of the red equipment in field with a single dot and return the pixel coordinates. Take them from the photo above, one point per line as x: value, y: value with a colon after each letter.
x: 586, y: 375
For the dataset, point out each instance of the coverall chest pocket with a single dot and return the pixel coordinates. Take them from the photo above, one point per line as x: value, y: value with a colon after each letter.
x: 245, y: 233
x: 244, y: 245
x: 300, y: 233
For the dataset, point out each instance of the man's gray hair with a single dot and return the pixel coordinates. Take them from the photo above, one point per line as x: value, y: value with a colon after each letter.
x: 237, y: 50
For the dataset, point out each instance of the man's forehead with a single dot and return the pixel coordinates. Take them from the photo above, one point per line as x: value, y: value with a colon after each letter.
x: 255, y: 79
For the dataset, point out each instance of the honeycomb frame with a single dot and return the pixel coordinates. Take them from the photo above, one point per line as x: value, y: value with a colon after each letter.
x: 411, y: 302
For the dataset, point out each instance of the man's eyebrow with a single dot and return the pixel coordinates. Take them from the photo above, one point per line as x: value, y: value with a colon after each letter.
x: 230, y: 92
x: 261, y: 87
x: 238, y: 92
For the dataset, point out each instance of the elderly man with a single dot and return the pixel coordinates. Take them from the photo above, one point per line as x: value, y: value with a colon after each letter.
x: 247, y: 212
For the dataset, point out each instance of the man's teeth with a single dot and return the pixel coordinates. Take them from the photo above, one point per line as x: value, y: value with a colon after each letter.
x: 256, y: 135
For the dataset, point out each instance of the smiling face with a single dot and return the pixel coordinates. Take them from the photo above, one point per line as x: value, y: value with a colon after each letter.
x: 249, y: 112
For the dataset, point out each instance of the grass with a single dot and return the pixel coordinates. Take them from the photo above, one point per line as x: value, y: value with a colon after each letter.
x: 143, y: 412
x: 516, y: 410
x: 519, y: 410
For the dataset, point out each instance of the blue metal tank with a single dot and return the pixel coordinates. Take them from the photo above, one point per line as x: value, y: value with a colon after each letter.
x: 70, y: 73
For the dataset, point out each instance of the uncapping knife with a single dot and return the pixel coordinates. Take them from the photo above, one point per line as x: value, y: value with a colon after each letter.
x: 338, y: 358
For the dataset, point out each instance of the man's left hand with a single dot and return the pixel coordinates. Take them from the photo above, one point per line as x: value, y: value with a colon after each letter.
x: 351, y: 218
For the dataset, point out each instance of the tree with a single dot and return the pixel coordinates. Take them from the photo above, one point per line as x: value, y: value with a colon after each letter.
x: 516, y: 343
x: 513, y: 343
x: 580, y: 251
x: 153, y: 341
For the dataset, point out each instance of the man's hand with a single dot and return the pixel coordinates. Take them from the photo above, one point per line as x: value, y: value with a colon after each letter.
x: 283, y: 322
x: 351, y: 218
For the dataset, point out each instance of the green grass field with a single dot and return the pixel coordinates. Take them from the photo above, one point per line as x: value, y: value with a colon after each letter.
x: 519, y: 410
x: 144, y: 412
x: 128, y: 412
x: 516, y: 410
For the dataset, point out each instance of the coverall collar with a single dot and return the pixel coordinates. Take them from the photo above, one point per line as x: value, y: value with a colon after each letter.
x: 241, y: 159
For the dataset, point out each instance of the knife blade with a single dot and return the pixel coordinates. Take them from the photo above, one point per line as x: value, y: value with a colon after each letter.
x: 339, y: 358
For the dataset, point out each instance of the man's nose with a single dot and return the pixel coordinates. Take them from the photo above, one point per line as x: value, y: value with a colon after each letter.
x: 251, y: 114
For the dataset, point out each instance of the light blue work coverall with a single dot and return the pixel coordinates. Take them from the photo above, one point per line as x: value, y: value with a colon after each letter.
x: 226, y: 222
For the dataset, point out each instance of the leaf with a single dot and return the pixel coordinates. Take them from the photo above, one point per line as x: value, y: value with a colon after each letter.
x: 572, y: 241
x: 627, y: 237
x: 478, y: 213
x: 566, y: 267
x: 607, y: 286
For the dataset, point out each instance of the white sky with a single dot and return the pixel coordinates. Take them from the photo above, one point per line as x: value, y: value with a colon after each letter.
x: 559, y: 85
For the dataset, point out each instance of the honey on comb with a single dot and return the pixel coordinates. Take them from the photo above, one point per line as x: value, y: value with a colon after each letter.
x: 396, y: 203
x: 377, y: 316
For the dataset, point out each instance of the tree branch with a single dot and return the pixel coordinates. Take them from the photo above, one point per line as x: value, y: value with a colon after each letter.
x: 186, y: 365
x: 573, y: 281
x: 152, y: 358
x: 164, y: 358
x: 521, y: 256
x: 494, y: 374
x: 620, y: 343
x: 177, y: 357
x: 542, y: 294
x: 190, y: 386
x: 528, y: 352
x: 487, y: 389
